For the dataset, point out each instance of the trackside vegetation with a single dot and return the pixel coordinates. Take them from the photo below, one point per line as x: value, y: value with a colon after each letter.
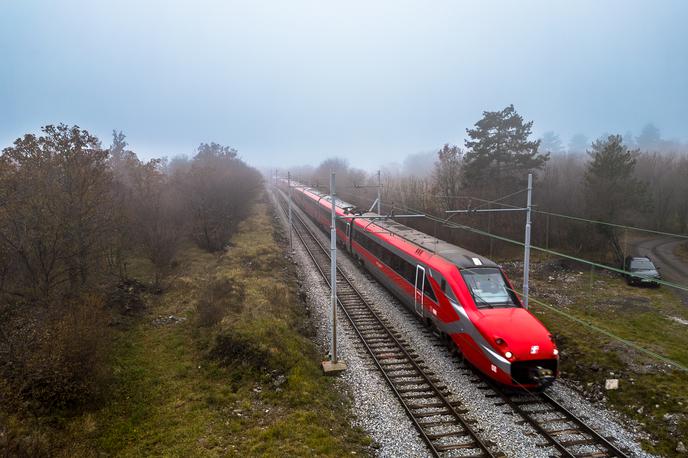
x: 219, y: 364
x: 234, y: 372
x: 146, y: 309
x: 650, y: 392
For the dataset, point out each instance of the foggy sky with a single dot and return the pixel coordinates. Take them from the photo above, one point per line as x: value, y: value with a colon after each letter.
x: 292, y: 82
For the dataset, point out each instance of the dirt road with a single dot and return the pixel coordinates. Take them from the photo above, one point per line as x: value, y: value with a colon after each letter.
x: 661, y: 251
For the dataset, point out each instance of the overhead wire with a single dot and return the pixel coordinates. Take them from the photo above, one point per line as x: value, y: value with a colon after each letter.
x: 537, y: 248
x: 571, y: 217
x: 607, y: 333
x: 551, y: 307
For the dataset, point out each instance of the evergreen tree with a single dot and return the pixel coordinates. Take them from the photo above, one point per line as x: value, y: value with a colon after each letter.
x: 578, y: 143
x: 551, y: 143
x: 611, y: 189
x: 500, y: 154
x: 649, y: 138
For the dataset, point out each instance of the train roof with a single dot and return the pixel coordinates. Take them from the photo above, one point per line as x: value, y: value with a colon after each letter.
x: 461, y: 257
x: 327, y: 198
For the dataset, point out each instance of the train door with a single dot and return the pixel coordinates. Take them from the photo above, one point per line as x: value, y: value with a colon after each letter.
x: 418, y: 290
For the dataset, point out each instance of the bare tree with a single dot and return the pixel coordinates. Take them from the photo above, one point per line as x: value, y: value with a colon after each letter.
x: 55, y: 219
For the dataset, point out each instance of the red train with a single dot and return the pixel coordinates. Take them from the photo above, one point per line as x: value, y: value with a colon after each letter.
x: 467, y: 297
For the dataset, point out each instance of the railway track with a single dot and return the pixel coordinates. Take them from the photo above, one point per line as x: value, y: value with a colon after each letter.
x: 438, y: 419
x: 426, y: 400
x: 561, y: 429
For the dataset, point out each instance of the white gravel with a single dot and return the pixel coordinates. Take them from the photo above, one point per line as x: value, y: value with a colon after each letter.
x: 378, y: 410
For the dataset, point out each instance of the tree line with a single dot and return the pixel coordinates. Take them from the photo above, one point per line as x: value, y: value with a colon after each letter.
x: 609, y: 181
x: 74, y: 215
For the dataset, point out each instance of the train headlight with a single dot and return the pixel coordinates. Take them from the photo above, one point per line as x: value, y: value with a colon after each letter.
x: 508, y: 355
x: 555, y: 352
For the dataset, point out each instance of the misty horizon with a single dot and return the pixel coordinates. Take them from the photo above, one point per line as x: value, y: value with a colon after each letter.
x: 369, y: 83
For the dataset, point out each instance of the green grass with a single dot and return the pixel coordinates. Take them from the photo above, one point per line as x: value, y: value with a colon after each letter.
x: 681, y: 251
x: 649, y: 389
x: 177, y: 392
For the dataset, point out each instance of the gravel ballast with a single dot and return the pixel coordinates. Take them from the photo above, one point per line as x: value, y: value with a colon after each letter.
x: 379, y: 412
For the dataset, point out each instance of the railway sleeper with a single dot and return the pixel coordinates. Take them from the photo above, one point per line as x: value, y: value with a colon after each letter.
x: 413, y: 375
x: 468, y: 445
x: 555, y: 420
x: 441, y: 413
x: 409, y: 368
x: 593, y: 455
x: 420, y: 395
x: 539, y: 412
x: 435, y: 436
x: 391, y: 355
x: 572, y: 442
x: 381, y: 349
x: 380, y: 339
x: 426, y: 406
x: 557, y: 432
x: 420, y: 383
x: 399, y: 362
x: 436, y: 423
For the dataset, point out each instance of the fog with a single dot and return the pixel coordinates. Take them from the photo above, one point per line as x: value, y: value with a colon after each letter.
x: 296, y: 82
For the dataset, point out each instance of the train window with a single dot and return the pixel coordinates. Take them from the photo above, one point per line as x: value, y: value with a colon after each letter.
x: 427, y: 289
x: 488, y: 288
x: 405, y: 269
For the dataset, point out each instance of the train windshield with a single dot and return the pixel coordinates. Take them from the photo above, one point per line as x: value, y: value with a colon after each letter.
x: 488, y: 288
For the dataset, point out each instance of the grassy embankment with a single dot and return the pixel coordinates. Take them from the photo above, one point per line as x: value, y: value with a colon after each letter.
x: 238, y: 376
x: 682, y: 251
x: 650, y: 392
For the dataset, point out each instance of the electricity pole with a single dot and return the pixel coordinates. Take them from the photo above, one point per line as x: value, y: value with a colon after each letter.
x: 526, y: 252
x: 379, y: 193
x: 378, y: 201
x: 291, y: 227
x: 333, y: 269
x: 333, y: 366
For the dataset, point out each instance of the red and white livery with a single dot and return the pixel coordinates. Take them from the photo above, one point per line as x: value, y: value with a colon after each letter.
x: 466, y: 296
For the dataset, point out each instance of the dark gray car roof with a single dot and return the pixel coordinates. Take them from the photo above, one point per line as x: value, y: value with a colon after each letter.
x: 462, y: 257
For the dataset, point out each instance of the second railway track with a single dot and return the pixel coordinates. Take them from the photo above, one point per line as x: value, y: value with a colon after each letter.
x: 439, y: 419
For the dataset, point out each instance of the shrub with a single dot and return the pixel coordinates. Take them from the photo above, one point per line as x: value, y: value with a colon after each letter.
x: 222, y: 296
x: 57, y: 358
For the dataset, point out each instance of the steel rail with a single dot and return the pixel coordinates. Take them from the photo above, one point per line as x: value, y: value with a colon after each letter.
x: 580, y: 428
x: 365, y: 313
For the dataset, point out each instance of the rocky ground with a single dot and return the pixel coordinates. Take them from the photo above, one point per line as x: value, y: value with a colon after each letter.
x: 378, y: 411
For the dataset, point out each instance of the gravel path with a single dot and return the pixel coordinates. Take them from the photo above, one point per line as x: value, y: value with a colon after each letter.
x: 379, y: 412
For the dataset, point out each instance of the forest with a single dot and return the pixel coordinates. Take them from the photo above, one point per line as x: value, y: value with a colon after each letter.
x: 74, y: 217
x: 635, y: 181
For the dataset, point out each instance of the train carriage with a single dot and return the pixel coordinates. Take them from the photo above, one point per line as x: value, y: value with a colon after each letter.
x: 467, y: 297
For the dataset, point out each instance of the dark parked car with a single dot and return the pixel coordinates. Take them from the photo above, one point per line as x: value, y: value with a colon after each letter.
x: 641, y: 271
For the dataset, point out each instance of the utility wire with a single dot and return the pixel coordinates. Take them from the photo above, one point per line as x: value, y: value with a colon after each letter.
x: 609, y: 334
x: 557, y: 310
x: 496, y: 201
x: 575, y: 218
x: 535, y: 247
